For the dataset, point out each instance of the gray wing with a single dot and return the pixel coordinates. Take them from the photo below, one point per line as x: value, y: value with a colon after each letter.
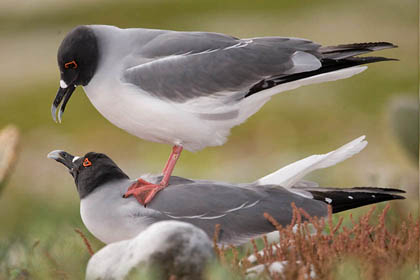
x: 239, y: 209
x: 186, y: 65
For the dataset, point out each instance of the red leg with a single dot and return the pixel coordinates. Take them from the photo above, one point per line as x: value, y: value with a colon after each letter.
x: 144, y: 191
x: 170, y: 165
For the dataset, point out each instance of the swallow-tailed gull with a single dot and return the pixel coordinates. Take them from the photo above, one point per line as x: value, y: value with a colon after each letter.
x: 238, y: 208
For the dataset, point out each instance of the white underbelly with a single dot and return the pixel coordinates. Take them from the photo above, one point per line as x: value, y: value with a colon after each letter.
x: 111, y: 218
x: 110, y: 228
x: 155, y: 120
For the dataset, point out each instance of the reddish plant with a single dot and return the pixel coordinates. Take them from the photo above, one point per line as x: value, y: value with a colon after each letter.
x: 318, y: 250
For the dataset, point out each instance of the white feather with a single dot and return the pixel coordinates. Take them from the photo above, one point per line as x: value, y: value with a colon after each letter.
x: 302, y: 62
x: 63, y: 84
x: 292, y: 173
x: 321, y: 78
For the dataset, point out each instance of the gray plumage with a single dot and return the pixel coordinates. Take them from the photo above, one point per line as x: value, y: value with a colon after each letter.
x: 239, y: 209
x: 203, y: 64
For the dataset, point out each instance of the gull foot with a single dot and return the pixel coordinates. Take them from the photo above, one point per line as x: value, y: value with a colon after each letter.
x: 143, y: 191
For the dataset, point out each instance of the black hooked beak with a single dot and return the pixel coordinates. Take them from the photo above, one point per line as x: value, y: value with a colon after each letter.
x: 63, y: 157
x: 65, y: 91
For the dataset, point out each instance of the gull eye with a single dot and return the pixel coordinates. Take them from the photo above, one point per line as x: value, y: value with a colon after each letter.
x: 86, y: 162
x: 72, y: 64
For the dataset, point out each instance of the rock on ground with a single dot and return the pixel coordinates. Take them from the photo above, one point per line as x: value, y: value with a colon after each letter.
x: 174, y: 248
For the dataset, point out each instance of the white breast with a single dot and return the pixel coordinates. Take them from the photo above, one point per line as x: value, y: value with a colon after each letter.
x: 111, y: 218
x: 152, y: 119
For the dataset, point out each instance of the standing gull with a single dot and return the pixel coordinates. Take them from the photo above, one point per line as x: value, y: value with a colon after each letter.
x: 238, y: 208
x: 188, y: 89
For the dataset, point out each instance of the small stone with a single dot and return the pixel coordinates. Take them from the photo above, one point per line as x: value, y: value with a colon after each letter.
x: 173, y: 248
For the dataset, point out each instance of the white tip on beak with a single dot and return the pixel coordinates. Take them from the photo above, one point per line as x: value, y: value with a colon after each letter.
x: 63, y: 84
x: 54, y: 154
x: 75, y: 158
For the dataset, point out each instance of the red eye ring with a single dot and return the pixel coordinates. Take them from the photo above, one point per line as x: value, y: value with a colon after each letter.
x: 86, y: 162
x: 68, y: 64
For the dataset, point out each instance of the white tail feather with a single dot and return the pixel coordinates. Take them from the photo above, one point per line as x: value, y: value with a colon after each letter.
x: 292, y: 173
x: 321, y: 78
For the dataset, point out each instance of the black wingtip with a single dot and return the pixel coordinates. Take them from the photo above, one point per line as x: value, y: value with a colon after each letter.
x: 388, y: 190
x: 346, y: 199
x: 369, y: 59
x: 374, y: 46
x: 398, y: 197
x: 333, y: 58
x: 346, y: 51
x: 371, y: 46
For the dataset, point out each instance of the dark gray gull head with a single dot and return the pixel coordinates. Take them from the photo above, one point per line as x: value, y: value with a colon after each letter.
x: 77, y: 59
x: 238, y: 208
x: 89, y: 172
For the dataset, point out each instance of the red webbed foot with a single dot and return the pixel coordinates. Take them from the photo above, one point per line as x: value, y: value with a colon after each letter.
x: 143, y: 191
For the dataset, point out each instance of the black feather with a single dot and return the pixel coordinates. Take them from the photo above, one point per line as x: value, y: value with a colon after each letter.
x: 353, y: 49
x: 345, y: 199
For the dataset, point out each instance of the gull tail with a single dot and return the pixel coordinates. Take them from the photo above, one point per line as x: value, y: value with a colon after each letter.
x: 342, y: 199
x: 293, y: 173
x: 337, y: 62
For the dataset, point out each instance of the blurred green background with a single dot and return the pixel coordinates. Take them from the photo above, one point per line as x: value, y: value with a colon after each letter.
x: 39, y: 206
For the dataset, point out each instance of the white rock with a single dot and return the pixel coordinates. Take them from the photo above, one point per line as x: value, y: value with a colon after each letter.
x: 274, y: 267
x: 177, y: 248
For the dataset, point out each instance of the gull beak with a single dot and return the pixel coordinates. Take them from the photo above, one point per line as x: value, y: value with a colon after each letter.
x: 64, y: 92
x: 64, y: 158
